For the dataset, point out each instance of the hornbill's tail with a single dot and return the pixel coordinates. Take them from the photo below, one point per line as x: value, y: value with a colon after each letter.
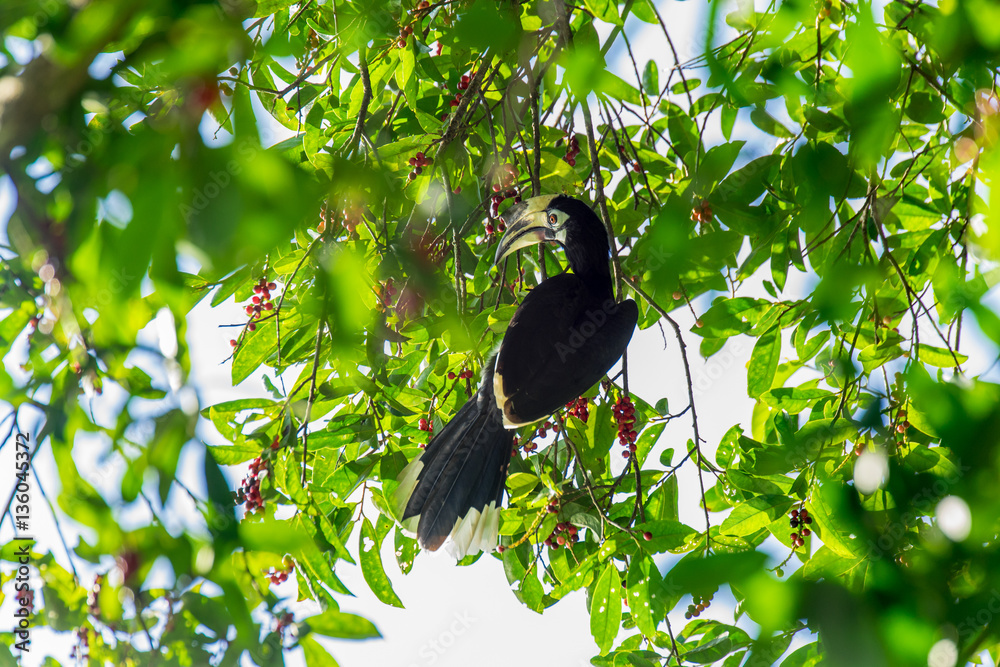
x: 454, y: 488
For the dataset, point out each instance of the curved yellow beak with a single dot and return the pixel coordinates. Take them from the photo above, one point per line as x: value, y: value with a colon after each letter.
x: 527, y: 224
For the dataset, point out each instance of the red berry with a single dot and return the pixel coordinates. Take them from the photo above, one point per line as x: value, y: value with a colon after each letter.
x: 252, y: 326
x: 268, y: 306
x: 249, y: 310
x: 451, y: 375
x: 257, y: 289
x: 647, y: 536
x: 232, y: 343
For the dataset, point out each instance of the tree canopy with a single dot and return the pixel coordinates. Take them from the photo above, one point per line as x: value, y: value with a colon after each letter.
x: 843, y: 146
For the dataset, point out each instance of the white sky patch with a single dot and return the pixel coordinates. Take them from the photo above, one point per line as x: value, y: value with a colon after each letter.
x: 954, y: 518
x: 943, y: 654
x: 871, y: 471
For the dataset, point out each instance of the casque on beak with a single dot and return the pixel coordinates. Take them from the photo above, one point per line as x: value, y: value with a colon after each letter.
x: 527, y: 224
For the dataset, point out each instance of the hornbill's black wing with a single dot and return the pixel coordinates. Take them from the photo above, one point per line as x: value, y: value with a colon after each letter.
x: 562, y: 340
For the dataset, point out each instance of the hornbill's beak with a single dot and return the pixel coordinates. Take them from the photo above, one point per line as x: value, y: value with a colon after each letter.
x: 528, y: 223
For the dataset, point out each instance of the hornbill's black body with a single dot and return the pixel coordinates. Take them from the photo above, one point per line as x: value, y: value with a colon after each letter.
x: 562, y: 339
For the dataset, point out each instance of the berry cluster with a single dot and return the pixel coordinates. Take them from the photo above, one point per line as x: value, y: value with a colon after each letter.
x: 464, y: 374
x: 285, y: 620
x: 901, y: 422
x: 700, y: 604
x: 463, y: 84
x: 580, y: 408
x: 564, y: 533
x: 504, y: 188
x: 430, y: 247
x: 26, y: 600
x: 349, y: 218
x: 93, y: 608
x: 543, y: 430
x: 418, y: 162
x: 702, y: 212
x: 385, y: 292
x: 128, y: 565
x: 572, y: 150
x: 81, y: 650
x: 280, y: 576
x: 426, y: 424
x: 404, y: 32
x: 249, y: 490
x: 624, y: 412
x: 260, y: 302
x: 800, y: 518
x: 553, y: 506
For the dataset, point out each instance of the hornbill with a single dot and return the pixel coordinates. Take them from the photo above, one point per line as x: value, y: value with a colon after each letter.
x: 566, y: 334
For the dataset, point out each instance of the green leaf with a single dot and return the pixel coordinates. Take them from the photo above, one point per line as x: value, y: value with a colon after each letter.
x: 343, y: 626
x: 764, y: 362
x: 940, y: 357
x: 757, y: 513
x: 606, y: 608
x: 370, y: 550
x: 638, y: 594
x: 264, y: 8
x: 405, y: 79
x: 606, y: 10
x: 650, y: 78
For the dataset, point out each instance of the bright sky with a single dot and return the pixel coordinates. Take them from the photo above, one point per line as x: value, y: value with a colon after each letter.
x: 461, y: 616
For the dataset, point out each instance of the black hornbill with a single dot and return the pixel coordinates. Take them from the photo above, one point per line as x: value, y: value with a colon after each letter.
x: 563, y: 338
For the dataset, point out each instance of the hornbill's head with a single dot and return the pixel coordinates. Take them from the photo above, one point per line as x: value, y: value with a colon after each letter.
x: 557, y: 219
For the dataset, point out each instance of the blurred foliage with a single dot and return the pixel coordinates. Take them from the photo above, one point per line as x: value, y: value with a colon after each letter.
x: 825, y: 142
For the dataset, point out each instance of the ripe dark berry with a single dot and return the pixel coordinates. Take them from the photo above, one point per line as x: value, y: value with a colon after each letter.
x: 571, y: 161
x: 252, y: 326
x: 647, y: 536
x: 806, y: 532
x: 451, y: 375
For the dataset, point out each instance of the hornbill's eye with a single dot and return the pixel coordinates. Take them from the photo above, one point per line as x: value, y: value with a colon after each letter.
x: 553, y: 219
